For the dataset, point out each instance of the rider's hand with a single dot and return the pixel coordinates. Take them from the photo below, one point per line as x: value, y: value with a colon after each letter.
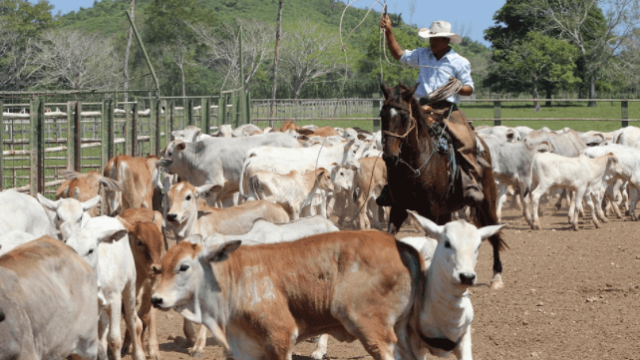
x: 427, y: 109
x: 385, y: 22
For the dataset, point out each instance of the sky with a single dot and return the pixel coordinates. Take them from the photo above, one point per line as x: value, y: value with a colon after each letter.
x: 468, y: 16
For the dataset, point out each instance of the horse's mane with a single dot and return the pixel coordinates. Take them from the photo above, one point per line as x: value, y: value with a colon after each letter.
x: 416, y: 109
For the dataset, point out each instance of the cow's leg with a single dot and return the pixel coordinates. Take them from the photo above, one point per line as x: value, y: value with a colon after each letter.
x: 463, y: 350
x: 579, y: 194
x: 200, y: 343
x: 535, y: 204
x: 598, y: 198
x: 502, y: 198
x: 103, y: 328
x: 526, y: 205
x: 148, y: 316
x: 189, y: 332
x: 634, y: 194
x: 321, y: 349
x: 572, y: 208
x: 591, y: 205
x: 131, y: 320
x: 558, y: 204
x: 114, y: 337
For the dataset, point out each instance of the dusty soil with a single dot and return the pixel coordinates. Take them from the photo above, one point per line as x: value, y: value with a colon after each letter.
x: 568, y: 295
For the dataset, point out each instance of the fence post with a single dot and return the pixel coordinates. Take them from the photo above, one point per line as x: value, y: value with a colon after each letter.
x: 242, y: 108
x: 1, y: 145
x: 155, y: 128
x: 133, y: 130
x: 172, y: 112
x: 188, y: 112
x: 152, y: 126
x: 248, y: 109
x: 234, y: 111
x: 497, y: 113
x: 624, y: 107
x: 36, y: 140
x: 222, y: 110
x: 167, y: 125
x: 375, y: 112
x: 108, y: 130
x: 77, y: 136
x: 71, y: 143
x: 205, y: 112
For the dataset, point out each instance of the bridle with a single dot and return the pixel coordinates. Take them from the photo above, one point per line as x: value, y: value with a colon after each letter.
x: 412, y: 122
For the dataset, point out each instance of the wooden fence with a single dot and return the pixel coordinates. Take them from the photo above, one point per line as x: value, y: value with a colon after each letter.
x: 37, y: 144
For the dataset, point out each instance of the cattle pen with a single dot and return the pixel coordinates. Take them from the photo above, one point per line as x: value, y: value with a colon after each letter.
x: 44, y: 134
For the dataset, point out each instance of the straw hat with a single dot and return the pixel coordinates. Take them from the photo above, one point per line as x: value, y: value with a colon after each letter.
x: 440, y: 29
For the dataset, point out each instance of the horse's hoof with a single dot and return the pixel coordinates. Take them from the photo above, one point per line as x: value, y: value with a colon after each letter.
x: 497, y: 285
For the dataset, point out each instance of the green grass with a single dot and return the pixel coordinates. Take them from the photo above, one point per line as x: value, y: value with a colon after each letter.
x: 603, y: 110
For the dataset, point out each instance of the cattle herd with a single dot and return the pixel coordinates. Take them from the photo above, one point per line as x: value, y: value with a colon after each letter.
x: 259, y: 257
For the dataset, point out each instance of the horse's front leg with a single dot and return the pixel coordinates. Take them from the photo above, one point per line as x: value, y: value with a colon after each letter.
x: 396, y: 219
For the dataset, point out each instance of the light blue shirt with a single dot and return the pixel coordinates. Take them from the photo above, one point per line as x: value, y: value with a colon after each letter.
x: 451, y: 64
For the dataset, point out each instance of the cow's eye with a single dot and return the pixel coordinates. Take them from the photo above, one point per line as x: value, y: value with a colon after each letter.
x: 447, y: 244
x: 184, y: 267
x: 90, y: 252
x: 188, y: 197
x: 139, y: 243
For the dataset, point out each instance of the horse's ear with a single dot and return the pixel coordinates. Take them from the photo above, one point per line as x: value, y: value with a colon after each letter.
x: 385, y: 90
x: 409, y: 92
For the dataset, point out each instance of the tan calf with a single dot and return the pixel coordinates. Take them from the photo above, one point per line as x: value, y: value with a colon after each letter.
x: 324, y: 131
x: 135, y: 183
x: 188, y: 216
x: 370, y: 178
x: 259, y: 301
x: 145, y: 238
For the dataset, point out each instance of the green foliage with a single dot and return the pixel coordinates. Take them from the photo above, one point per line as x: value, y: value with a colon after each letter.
x: 27, y: 18
x: 535, y: 62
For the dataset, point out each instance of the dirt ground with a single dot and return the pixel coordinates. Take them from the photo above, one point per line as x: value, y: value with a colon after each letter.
x: 568, y: 295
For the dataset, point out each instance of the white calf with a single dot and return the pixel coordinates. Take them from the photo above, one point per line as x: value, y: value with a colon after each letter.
x: 579, y: 174
x: 22, y: 212
x: 70, y: 211
x: 292, y: 191
x: 446, y: 314
x: 103, y: 243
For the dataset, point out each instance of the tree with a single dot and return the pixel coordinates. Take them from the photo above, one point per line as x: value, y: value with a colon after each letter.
x: 307, y: 55
x: 534, y: 62
x: 223, y: 51
x: 27, y: 19
x: 169, y: 32
x: 73, y: 59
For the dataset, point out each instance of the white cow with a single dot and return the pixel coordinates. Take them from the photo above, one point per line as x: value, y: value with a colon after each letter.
x: 103, y: 243
x: 580, y: 174
x: 629, y: 158
x: 48, y: 307
x: 22, y: 212
x: 445, y: 318
x: 293, y: 191
x: 69, y: 211
x: 217, y: 161
x: 13, y: 239
x: 629, y: 136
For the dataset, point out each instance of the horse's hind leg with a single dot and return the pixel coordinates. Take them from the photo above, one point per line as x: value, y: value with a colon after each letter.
x: 486, y: 215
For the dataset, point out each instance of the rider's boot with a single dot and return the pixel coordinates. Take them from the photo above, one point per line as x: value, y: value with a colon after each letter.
x: 385, y: 198
x: 472, y: 190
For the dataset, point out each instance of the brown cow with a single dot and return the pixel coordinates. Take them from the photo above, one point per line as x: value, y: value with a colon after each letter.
x: 136, y: 179
x: 83, y: 187
x: 321, y: 131
x: 145, y: 238
x: 259, y: 301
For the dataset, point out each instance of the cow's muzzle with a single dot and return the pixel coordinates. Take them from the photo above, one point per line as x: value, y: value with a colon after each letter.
x: 467, y: 278
x: 172, y: 217
x: 156, y: 302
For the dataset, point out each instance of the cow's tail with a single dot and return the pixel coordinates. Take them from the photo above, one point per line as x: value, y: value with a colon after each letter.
x: 244, y: 187
x: 254, y: 185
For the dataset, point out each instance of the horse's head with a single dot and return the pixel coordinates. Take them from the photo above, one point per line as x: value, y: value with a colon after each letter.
x: 397, y: 120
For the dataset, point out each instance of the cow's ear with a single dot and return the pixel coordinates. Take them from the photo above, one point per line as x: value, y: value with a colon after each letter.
x: 91, y: 203
x: 194, y: 239
x: 111, y: 235
x: 48, y: 204
x: 427, y: 225
x: 220, y: 252
x: 180, y: 145
x: 206, y: 190
x: 489, y: 231
x: 127, y: 225
x: 110, y: 184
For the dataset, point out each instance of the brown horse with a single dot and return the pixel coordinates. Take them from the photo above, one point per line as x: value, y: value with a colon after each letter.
x: 419, y: 175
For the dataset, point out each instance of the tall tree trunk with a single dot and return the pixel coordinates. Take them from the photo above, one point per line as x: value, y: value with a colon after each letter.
x: 548, y: 103
x: 536, y: 106
x: 126, y: 53
x: 592, y: 90
x: 275, y: 62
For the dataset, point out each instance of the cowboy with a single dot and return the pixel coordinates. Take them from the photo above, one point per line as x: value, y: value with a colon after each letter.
x: 443, y: 63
